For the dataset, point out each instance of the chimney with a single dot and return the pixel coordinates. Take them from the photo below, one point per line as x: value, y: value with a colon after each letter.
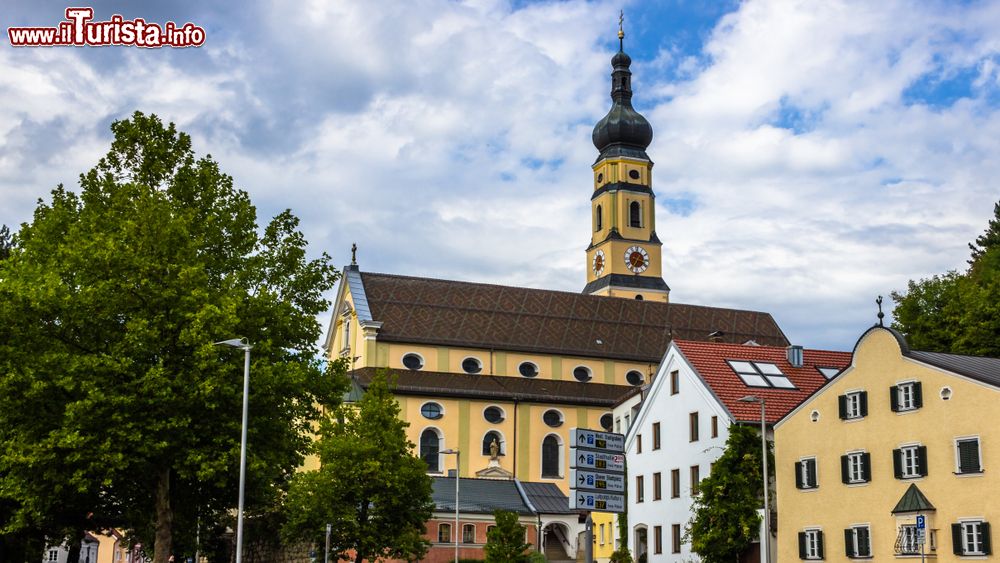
x: 794, y: 354
x: 716, y: 336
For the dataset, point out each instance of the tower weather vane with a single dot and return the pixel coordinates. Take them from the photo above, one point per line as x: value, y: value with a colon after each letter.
x: 881, y: 315
x: 621, y: 30
x: 354, y: 254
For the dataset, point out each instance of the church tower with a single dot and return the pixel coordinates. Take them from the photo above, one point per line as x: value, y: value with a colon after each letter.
x: 623, y: 259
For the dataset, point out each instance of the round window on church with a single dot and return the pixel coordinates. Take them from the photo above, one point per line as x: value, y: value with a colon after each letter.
x: 600, y: 178
x: 472, y: 365
x: 528, y: 369
x: 553, y: 418
x: 606, y: 422
x: 493, y: 415
x: 582, y: 373
x: 413, y: 361
x: 634, y: 377
x: 431, y: 411
x: 634, y: 174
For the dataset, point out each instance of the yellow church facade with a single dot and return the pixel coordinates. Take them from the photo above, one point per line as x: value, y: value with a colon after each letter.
x: 904, y: 434
x: 475, y: 363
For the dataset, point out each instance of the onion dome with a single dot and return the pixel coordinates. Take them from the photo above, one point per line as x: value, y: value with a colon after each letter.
x: 623, y: 131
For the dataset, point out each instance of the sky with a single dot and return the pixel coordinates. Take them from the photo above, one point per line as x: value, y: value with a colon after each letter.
x: 809, y: 156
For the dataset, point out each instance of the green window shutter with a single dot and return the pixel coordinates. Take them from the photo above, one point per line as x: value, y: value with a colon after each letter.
x: 849, y: 542
x: 985, y: 529
x: 894, y: 398
x: 897, y: 463
x: 842, y: 404
x: 819, y: 543
x: 918, y: 395
x: 864, y: 403
x: 802, y: 545
x: 866, y: 466
x: 798, y: 475
x: 845, y: 474
x: 813, y: 481
x: 956, y: 539
x: 922, y: 460
x: 968, y: 456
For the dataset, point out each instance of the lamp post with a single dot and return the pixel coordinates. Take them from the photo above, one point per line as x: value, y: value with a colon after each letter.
x: 765, y: 543
x: 458, y: 457
x: 242, y: 344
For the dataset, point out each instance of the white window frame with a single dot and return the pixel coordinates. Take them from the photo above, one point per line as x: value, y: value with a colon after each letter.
x: 423, y: 361
x: 958, y: 459
x: 856, y: 467
x: 804, y: 473
x: 854, y: 538
x: 971, y: 528
x: 853, y: 402
x: 503, y: 414
x: 478, y: 362
x: 812, y: 542
x: 562, y: 457
x: 909, y: 461
x: 906, y: 399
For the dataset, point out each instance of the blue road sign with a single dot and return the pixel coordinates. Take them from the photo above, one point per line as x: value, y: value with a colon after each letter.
x: 921, y: 520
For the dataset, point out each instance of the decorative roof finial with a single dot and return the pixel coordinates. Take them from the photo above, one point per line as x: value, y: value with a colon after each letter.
x: 354, y: 254
x: 621, y: 30
x: 881, y: 315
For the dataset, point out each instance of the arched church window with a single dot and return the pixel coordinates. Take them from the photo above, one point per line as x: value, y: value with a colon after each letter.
x: 599, y: 219
x: 635, y: 214
x: 550, y: 456
x: 488, y: 440
x: 430, y: 444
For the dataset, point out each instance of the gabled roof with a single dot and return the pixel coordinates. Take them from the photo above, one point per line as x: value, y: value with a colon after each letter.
x: 709, y: 360
x: 913, y: 501
x: 496, y: 387
x: 984, y: 370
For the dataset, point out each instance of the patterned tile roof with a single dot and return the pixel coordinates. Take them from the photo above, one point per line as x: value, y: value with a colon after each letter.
x: 709, y: 359
x: 497, y: 387
x: 477, y: 496
x: 452, y: 313
x: 547, y: 498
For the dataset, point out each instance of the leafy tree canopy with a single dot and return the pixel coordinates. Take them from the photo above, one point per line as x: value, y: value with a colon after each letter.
x: 725, y: 520
x: 505, y: 542
x: 957, y: 312
x: 115, y: 407
x: 369, y: 486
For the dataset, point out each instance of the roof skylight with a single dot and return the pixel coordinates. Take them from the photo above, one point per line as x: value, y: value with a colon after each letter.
x: 761, y: 374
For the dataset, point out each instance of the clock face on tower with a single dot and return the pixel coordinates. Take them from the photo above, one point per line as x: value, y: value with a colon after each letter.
x: 636, y: 259
x: 598, y: 262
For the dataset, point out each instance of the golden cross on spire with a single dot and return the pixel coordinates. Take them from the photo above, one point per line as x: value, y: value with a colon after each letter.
x: 621, y: 31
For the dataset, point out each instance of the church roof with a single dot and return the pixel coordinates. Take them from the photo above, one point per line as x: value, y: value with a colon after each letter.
x: 711, y: 361
x: 476, y: 315
x: 483, y: 496
x: 495, y: 387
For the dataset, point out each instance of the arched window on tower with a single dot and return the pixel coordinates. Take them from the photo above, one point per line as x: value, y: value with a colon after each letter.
x: 635, y: 214
x: 430, y: 444
x: 550, y: 456
x: 600, y: 219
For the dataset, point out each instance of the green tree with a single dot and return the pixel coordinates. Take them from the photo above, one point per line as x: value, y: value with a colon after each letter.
x: 370, y: 486
x: 505, y: 542
x: 957, y: 312
x: 6, y: 242
x: 115, y: 407
x: 725, y: 520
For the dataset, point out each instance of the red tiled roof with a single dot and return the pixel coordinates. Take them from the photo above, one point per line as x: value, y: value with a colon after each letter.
x: 709, y: 360
x: 476, y: 315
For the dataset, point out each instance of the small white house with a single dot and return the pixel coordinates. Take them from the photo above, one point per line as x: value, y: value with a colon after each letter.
x: 678, y: 427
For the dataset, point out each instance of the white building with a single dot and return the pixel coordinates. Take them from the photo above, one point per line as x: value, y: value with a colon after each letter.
x: 681, y: 427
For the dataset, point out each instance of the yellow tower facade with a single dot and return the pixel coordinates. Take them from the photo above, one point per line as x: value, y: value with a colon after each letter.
x: 624, y: 256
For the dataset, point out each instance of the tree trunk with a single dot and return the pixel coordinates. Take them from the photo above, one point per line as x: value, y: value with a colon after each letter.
x: 74, y: 548
x: 164, y: 520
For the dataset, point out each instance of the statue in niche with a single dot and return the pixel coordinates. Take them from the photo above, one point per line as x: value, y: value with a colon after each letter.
x: 494, y: 450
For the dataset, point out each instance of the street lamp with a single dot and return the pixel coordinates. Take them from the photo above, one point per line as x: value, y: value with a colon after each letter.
x: 765, y: 544
x: 242, y: 344
x: 458, y: 457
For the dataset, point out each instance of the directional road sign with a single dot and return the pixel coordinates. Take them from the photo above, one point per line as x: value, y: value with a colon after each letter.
x: 600, y: 502
x: 582, y: 459
x: 594, y: 440
x: 597, y: 481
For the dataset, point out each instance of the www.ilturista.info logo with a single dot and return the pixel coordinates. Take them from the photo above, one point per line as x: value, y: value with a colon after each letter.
x: 78, y: 30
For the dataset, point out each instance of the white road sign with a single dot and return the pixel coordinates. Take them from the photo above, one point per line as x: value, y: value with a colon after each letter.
x: 592, y: 439
x: 597, y: 481
x: 583, y: 459
x: 597, y: 502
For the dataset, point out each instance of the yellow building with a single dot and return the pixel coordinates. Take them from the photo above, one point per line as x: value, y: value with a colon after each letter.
x: 475, y: 362
x: 899, y: 435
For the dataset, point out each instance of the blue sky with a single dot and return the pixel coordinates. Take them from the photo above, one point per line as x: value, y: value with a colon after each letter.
x: 809, y: 155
